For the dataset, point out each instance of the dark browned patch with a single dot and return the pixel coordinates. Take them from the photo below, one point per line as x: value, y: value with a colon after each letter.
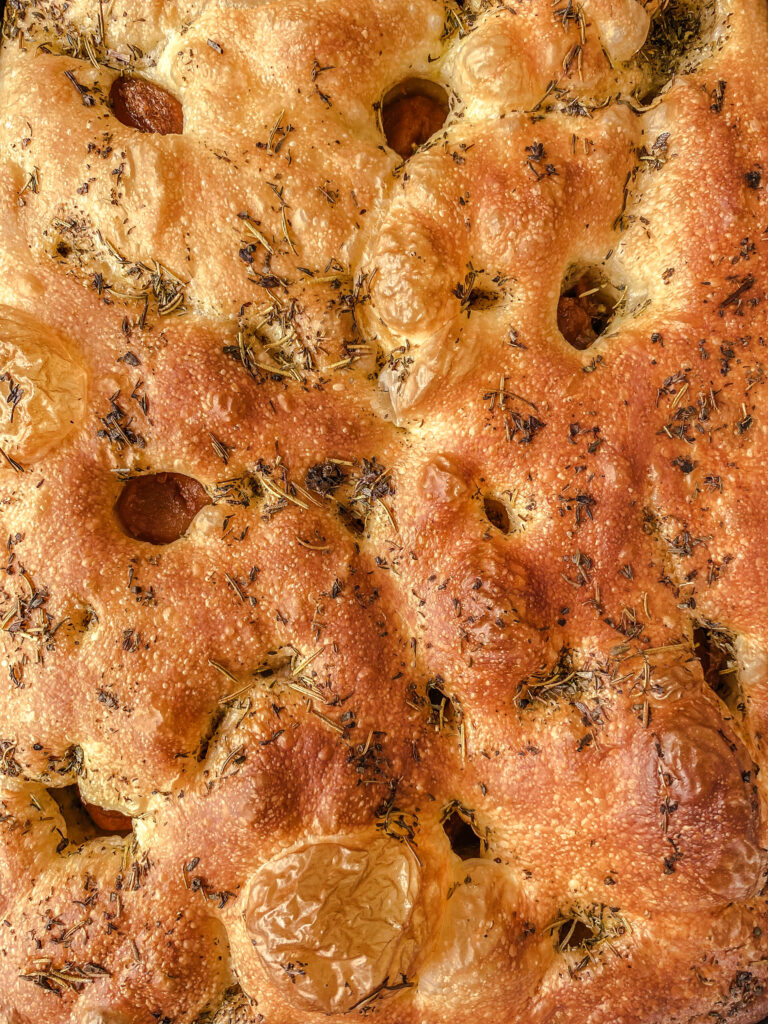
x: 158, y: 509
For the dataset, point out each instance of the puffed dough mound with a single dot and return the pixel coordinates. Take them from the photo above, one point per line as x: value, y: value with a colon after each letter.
x: 382, y: 485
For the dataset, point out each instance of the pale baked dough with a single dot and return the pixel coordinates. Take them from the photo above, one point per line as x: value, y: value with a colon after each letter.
x: 450, y: 701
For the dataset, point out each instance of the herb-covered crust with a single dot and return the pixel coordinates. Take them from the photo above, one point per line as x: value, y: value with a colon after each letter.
x: 383, y: 480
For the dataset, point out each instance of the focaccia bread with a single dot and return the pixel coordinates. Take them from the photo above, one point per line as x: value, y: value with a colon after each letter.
x: 384, y: 454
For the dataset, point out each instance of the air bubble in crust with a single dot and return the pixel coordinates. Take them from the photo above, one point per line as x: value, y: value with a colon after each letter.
x: 497, y: 514
x: 412, y: 112
x: 586, y: 307
x: 715, y: 650
x: 464, y: 840
x: 86, y: 821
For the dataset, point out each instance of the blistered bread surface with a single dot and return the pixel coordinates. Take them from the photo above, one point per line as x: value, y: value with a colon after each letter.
x: 383, y: 480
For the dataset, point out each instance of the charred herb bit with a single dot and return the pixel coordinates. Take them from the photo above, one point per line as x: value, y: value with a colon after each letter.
x: 571, y: 12
x: 745, y: 987
x: 372, y: 482
x: 457, y: 20
x: 684, y: 465
x: 686, y: 421
x: 15, y: 466
x: 522, y: 428
x: 718, y: 96
x: 290, y: 493
x: 28, y: 619
x: 655, y: 158
x: 517, y: 425
x: 318, y: 69
x: 131, y: 641
x: 116, y: 427
x: 551, y: 683
x: 64, y: 38
x: 15, y: 393
x: 244, y: 353
x: 137, y: 864
x: 325, y: 477
x: 579, y: 932
x: 366, y: 1004
x: 238, y: 490
x: 396, y: 823
x: 734, y: 299
x: 143, y: 595
x: 253, y: 227
x: 628, y: 625
x: 234, y: 1008
x: 277, y: 136
x: 83, y: 90
x: 592, y: 365
x: 8, y: 763
x: 480, y: 290
x: 167, y: 289
x: 294, y: 970
x: 580, y: 504
x: 676, y: 385
x: 71, y: 977
x: 368, y: 758
x: 108, y: 699
x: 222, y: 449
x: 79, y: 243
x: 678, y: 35
x: 444, y: 711
x: 71, y: 762
x: 753, y: 179
x: 284, y: 221
x: 271, y: 344
x: 583, y: 564
x: 32, y: 184
x: 536, y: 153
x: 331, y: 194
x: 746, y: 421
x: 683, y: 543
x: 139, y: 396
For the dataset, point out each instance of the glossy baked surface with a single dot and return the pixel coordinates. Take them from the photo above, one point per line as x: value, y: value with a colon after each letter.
x: 384, y: 617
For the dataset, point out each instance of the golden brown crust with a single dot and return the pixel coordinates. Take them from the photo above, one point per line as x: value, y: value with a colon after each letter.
x: 426, y: 650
